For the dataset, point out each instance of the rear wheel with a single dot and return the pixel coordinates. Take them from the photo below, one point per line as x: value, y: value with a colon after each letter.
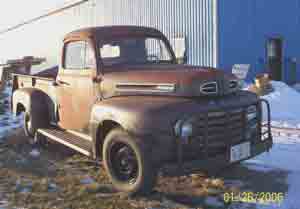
x: 128, y: 163
x: 29, y: 128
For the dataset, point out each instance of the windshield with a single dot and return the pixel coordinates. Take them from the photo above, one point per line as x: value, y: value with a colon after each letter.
x: 133, y: 51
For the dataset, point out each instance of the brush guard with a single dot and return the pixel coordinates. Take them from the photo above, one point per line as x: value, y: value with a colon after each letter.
x: 266, y: 132
x: 265, y: 135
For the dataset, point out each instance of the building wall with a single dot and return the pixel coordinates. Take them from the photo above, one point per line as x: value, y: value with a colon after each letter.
x: 244, y: 27
x: 44, y: 37
x: 192, y: 19
x: 217, y: 33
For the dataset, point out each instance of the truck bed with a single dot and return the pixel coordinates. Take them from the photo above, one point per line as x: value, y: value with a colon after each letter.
x: 41, y: 80
x: 48, y: 73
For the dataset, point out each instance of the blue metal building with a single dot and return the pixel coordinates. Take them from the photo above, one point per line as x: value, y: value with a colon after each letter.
x: 217, y: 33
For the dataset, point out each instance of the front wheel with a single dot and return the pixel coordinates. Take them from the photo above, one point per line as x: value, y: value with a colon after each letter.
x: 128, y: 163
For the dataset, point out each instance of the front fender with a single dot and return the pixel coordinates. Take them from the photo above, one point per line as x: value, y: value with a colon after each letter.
x: 136, y: 119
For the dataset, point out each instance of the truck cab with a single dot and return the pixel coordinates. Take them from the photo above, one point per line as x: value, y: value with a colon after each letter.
x: 119, y: 96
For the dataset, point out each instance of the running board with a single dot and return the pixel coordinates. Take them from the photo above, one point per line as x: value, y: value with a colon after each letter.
x: 68, y: 139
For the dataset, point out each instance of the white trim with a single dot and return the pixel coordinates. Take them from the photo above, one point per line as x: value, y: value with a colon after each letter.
x: 203, y: 88
x: 157, y: 87
x: 216, y: 32
x: 81, y: 135
x: 65, y: 143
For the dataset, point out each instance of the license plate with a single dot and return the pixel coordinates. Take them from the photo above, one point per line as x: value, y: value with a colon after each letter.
x: 240, y: 152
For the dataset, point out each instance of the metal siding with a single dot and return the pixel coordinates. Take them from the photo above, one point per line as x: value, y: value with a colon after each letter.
x: 193, y: 19
x: 43, y: 38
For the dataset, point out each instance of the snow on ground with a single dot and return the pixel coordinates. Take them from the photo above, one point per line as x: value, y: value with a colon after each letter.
x: 285, y: 105
x: 7, y: 120
x: 282, y: 158
x: 284, y: 155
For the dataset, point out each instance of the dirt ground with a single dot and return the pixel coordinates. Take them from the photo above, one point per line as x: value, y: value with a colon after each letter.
x: 53, y: 176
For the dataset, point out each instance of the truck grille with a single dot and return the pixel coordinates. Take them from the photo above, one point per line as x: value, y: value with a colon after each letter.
x: 221, y: 129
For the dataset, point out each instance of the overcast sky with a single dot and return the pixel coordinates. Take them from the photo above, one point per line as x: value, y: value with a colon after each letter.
x: 13, y: 12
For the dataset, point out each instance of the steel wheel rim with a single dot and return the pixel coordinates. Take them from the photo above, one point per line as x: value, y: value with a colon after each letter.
x: 124, y: 163
x: 28, y: 123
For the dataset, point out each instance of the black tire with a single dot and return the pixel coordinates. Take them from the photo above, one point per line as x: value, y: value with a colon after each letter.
x: 128, y: 163
x: 29, y: 127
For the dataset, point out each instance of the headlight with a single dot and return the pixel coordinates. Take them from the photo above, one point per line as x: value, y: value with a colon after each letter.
x: 251, y: 113
x: 184, y: 129
x: 187, y: 130
x: 251, y: 131
x: 251, y: 116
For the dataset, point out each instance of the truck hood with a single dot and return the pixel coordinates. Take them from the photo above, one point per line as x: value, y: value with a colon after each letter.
x: 172, y: 80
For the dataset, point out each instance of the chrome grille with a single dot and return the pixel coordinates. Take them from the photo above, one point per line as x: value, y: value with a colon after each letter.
x: 209, y: 88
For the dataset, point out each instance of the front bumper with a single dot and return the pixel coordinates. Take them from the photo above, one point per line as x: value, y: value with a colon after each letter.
x: 217, y: 162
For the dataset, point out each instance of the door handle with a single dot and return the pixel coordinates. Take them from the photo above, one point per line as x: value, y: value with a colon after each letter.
x: 60, y: 82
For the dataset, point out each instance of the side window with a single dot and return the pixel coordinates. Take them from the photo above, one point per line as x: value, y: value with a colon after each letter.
x: 79, y: 55
x: 156, y: 49
x: 75, y: 55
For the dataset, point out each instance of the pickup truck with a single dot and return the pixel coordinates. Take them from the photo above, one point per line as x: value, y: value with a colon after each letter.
x: 119, y: 96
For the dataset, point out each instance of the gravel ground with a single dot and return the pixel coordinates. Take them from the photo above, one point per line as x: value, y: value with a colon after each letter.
x: 56, y: 177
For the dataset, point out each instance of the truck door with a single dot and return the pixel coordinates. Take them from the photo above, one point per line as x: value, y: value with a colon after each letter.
x: 77, y: 92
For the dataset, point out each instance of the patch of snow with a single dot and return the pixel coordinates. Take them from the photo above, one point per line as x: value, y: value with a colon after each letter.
x: 284, y: 151
x: 25, y: 190
x: 8, y: 122
x: 291, y: 199
x: 22, y: 161
x: 52, y: 187
x: 297, y: 87
x: 87, y: 180
x: 284, y: 156
x: 3, y: 204
x: 234, y: 183
x: 285, y: 103
x: 255, y: 166
x: 214, y: 202
x: 35, y: 153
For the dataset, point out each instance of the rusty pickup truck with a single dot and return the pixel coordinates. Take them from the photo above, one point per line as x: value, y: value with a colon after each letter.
x: 119, y: 96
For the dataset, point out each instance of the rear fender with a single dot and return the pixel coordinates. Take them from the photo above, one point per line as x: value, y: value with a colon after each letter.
x: 33, y: 101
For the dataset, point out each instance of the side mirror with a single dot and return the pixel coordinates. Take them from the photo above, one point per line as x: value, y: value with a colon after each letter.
x: 182, y: 60
x: 180, y: 49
